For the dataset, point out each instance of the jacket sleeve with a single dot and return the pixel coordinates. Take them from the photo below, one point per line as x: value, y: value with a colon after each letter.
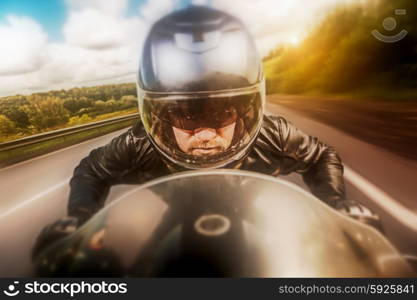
x: 318, y: 163
x: 95, y: 174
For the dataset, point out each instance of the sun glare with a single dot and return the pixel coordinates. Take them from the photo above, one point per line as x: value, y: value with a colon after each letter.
x: 294, y: 40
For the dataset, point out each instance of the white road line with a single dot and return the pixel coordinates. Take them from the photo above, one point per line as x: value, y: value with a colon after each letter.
x: 403, y: 215
x: 35, y: 198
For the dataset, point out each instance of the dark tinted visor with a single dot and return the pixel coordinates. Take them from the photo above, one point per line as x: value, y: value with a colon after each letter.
x: 191, y: 114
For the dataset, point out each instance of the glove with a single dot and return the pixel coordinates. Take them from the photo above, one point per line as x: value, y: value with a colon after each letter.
x: 359, y: 212
x: 54, y: 232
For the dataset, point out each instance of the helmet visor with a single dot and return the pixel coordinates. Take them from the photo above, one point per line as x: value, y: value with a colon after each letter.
x: 201, y: 130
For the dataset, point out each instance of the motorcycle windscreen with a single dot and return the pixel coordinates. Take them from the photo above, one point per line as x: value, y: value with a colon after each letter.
x: 222, y: 223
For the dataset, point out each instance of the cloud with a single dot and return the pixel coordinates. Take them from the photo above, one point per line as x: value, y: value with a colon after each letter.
x: 98, y: 24
x: 101, y: 42
x: 92, y: 28
x: 109, y: 7
x: 23, y: 46
x: 76, y: 65
x: 201, y: 2
x: 278, y: 21
x: 153, y: 10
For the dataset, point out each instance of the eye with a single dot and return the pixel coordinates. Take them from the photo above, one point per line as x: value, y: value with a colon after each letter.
x: 190, y: 117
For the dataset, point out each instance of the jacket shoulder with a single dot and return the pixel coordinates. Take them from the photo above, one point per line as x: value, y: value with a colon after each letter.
x: 138, y: 130
x: 140, y: 144
x: 273, y: 133
x: 273, y: 122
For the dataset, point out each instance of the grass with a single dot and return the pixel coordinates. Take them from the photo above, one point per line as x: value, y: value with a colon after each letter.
x: 10, y: 157
x: 101, y: 117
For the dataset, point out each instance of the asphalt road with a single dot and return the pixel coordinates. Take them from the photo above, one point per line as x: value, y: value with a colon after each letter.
x: 377, y: 178
x: 34, y: 193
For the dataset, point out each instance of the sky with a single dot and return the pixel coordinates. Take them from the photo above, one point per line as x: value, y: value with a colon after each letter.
x: 54, y: 44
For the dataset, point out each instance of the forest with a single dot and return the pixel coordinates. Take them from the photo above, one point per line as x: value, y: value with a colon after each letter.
x: 24, y: 115
x: 340, y: 56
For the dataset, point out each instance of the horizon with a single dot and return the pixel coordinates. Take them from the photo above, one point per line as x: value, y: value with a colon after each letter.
x: 63, y: 44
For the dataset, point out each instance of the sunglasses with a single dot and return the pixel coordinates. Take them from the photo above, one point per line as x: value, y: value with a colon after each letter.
x: 188, y: 120
x: 204, y: 113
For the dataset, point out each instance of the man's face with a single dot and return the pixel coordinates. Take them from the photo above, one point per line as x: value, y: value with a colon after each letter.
x: 204, y: 141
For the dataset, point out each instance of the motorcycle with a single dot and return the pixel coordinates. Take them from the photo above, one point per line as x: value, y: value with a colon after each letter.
x: 221, y: 223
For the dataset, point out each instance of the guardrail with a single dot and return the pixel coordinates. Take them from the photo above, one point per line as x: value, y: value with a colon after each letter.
x: 33, y: 139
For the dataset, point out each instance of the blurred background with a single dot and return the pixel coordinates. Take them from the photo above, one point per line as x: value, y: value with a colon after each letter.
x: 342, y: 70
x: 71, y: 62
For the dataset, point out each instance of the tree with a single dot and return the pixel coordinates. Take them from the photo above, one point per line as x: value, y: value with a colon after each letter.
x: 340, y: 55
x: 46, y: 112
x: 73, y: 121
x: 75, y: 105
x: 7, y: 126
x: 43, y: 110
x: 129, y: 101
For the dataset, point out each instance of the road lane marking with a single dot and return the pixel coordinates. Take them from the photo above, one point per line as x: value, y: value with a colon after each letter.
x: 35, y: 198
x: 392, y: 207
x: 403, y: 215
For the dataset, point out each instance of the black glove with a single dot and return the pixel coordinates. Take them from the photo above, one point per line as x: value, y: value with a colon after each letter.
x: 359, y: 212
x: 54, y: 232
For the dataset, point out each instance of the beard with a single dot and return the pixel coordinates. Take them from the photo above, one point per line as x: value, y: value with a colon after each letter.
x: 204, y: 148
x: 205, y: 142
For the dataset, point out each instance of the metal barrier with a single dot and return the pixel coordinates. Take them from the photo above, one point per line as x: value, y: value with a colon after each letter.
x: 33, y: 139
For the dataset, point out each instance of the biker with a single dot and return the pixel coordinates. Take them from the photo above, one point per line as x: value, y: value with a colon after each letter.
x: 201, y: 99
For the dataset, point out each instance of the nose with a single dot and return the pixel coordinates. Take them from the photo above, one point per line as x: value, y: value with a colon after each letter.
x: 205, y: 134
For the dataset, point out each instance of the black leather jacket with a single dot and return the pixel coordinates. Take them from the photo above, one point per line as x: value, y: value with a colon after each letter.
x: 279, y: 149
